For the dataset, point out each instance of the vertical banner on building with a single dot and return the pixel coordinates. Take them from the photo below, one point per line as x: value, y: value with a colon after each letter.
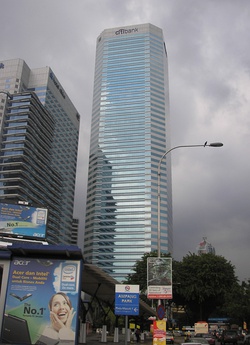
x: 159, y: 332
x: 42, y: 301
x: 159, y: 276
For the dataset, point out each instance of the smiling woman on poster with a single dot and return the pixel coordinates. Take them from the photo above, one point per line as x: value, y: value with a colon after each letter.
x: 61, y: 316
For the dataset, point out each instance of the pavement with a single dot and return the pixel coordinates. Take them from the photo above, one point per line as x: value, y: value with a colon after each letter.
x: 95, y: 339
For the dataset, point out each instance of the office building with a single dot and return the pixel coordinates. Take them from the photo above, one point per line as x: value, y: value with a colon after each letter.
x: 75, y: 229
x: 130, y: 132
x: 205, y: 247
x: 39, y: 143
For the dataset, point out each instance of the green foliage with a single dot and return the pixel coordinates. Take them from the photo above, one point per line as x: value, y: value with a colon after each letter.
x: 201, y: 284
x: 245, y: 295
x: 237, y: 303
x: 205, y: 276
x: 204, y: 281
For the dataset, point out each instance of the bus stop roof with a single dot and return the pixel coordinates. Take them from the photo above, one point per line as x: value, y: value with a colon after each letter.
x: 95, y: 282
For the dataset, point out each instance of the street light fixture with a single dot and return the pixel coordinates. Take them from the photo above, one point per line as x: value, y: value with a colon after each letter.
x: 216, y: 144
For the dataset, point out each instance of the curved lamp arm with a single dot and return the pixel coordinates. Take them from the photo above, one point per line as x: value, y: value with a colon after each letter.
x: 216, y: 144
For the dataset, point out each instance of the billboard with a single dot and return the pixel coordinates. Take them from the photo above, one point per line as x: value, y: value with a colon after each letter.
x: 42, y: 301
x: 22, y: 221
x: 159, y: 278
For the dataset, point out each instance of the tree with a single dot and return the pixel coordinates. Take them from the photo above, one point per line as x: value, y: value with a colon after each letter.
x: 246, y: 302
x: 237, y: 304
x: 201, y: 283
x: 204, y: 281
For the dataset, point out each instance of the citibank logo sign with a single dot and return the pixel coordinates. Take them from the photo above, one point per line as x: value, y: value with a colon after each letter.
x: 124, y: 31
x: 56, y: 83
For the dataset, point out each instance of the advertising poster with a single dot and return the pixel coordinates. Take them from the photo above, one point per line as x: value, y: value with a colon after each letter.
x: 23, y: 221
x: 159, y: 276
x: 42, y: 301
x: 159, y: 332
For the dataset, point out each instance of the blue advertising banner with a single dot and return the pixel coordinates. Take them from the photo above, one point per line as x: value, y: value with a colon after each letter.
x: 42, y: 301
x: 23, y: 221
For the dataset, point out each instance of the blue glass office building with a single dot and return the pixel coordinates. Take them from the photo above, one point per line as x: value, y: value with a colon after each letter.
x: 129, y: 134
x: 39, y: 144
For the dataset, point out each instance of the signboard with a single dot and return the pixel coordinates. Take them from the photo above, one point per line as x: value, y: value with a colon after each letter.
x: 201, y: 327
x: 161, y: 312
x: 159, y: 275
x: 22, y: 221
x: 42, y: 301
x: 159, y: 332
x: 126, y: 299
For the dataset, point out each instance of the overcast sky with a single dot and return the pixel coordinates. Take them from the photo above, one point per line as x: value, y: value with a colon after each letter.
x: 208, y: 44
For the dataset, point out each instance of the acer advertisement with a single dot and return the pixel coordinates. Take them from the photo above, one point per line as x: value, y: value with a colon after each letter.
x: 22, y: 221
x: 42, y: 301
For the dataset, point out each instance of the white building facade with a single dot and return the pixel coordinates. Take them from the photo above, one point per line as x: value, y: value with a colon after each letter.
x: 205, y: 247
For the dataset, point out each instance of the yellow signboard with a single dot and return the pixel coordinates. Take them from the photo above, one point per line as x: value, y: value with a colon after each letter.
x: 159, y: 332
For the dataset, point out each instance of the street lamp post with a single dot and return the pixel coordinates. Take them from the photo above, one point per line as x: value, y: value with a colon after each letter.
x: 159, y: 186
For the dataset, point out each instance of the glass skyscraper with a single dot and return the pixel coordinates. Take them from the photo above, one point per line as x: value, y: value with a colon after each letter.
x: 129, y: 133
x: 39, y: 144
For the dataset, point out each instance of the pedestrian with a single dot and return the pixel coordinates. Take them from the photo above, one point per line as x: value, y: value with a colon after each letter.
x: 138, y: 335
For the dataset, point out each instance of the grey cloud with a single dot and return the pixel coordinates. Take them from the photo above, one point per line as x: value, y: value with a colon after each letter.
x: 208, y: 50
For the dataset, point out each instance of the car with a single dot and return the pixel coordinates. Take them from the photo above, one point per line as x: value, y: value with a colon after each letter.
x: 191, y: 342
x: 196, y: 341
x: 199, y: 340
x: 246, y: 340
x: 229, y: 336
x: 241, y: 337
x: 169, y: 337
x: 219, y: 334
x: 209, y: 337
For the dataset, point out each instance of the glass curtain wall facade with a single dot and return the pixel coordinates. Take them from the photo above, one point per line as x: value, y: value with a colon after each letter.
x: 16, y: 77
x: 25, y: 168
x: 129, y: 134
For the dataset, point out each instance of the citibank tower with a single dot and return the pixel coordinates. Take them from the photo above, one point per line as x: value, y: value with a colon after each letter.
x: 129, y: 134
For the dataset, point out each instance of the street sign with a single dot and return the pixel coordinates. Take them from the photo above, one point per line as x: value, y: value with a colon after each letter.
x: 161, y: 312
x: 126, y: 299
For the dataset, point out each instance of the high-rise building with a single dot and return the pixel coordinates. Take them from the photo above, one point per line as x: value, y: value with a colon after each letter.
x: 130, y: 132
x: 75, y: 229
x: 205, y: 247
x: 39, y: 143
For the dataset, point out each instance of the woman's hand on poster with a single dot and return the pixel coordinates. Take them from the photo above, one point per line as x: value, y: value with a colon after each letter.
x: 70, y: 318
x: 57, y: 324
